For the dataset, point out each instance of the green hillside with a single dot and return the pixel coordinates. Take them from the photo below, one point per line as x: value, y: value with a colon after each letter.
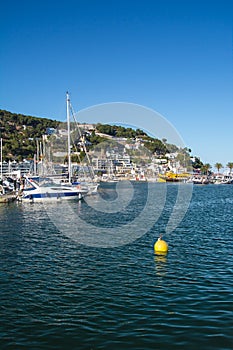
x: 19, y: 133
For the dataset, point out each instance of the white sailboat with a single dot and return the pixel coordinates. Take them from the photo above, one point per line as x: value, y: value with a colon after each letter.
x: 6, y: 195
x: 87, y: 182
x: 1, y: 158
x: 46, y: 189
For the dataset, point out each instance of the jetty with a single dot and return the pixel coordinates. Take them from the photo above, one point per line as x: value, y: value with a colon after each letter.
x: 7, y: 197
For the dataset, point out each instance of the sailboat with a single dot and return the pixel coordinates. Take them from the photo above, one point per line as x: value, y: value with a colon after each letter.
x: 40, y: 190
x: 87, y: 183
x: 5, y: 196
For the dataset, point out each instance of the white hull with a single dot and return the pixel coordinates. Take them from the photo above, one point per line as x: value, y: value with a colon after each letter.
x: 35, y: 193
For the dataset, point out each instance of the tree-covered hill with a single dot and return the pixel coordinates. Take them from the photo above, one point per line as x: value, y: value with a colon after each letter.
x: 19, y: 133
x: 152, y: 144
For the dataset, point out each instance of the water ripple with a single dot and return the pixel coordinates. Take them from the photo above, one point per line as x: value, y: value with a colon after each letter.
x: 56, y: 294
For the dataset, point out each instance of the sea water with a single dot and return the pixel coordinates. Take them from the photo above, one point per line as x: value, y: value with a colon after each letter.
x: 59, y: 293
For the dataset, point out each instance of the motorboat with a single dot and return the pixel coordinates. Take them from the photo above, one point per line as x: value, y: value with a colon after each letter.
x: 44, y: 190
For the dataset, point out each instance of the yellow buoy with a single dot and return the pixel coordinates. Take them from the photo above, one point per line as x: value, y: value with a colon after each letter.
x: 160, y: 247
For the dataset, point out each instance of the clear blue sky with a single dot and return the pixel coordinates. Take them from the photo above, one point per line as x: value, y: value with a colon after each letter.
x: 173, y: 56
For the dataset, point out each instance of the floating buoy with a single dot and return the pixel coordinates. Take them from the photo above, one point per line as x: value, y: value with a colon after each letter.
x: 160, y: 247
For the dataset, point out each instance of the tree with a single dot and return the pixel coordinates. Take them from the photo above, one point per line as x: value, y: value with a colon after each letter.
x: 218, y: 166
x: 140, y: 132
x: 206, y: 168
x: 230, y: 166
x: 197, y: 163
x: 19, y: 132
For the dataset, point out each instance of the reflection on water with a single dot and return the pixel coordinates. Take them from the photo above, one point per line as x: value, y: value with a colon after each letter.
x: 56, y: 294
x: 160, y: 264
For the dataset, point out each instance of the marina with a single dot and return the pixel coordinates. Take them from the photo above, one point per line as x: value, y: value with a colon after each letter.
x: 116, y: 216
x: 85, y: 257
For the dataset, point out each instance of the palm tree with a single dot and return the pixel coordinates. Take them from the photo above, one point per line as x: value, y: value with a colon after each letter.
x: 206, y: 168
x: 218, y: 166
x: 230, y: 166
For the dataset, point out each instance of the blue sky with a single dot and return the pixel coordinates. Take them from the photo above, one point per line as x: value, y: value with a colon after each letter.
x: 174, y: 57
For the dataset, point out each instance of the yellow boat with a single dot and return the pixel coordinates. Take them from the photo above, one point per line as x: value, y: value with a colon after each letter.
x: 169, y: 176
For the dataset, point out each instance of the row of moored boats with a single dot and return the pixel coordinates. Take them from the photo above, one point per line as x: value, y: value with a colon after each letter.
x: 205, y: 180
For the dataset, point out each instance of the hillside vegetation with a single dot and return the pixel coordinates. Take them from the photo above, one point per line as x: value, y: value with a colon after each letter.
x: 20, y: 134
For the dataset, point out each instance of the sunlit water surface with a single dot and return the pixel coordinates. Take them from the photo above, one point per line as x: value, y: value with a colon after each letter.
x: 58, y: 294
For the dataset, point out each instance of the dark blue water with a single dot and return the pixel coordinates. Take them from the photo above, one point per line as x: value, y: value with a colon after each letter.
x: 58, y: 294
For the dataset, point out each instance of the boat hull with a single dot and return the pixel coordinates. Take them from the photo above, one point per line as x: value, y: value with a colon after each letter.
x: 43, y: 197
x: 50, y: 195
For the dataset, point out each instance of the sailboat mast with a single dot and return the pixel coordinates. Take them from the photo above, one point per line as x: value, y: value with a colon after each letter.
x: 68, y: 132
